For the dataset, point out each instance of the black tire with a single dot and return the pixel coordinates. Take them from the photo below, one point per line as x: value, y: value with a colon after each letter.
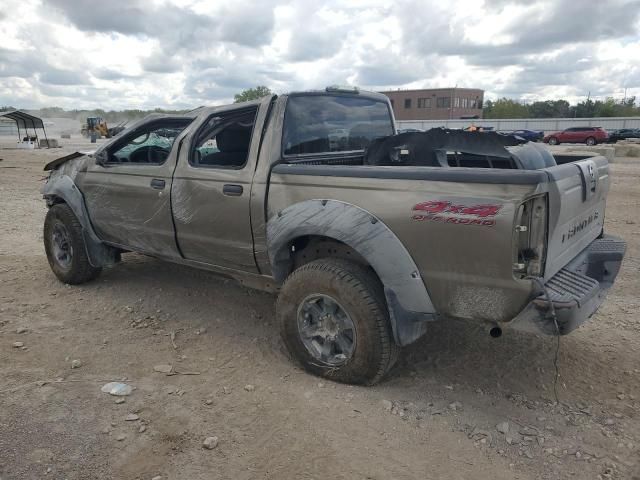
x: 591, y: 141
x: 358, y: 291
x: 71, y: 264
x: 553, y: 141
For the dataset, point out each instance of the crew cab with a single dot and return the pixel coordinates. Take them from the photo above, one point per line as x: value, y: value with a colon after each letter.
x: 366, y: 235
x: 586, y: 135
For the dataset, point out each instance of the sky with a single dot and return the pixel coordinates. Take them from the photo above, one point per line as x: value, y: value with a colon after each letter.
x: 121, y: 54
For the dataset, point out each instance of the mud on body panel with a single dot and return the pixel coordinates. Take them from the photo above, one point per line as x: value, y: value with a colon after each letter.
x: 407, y: 298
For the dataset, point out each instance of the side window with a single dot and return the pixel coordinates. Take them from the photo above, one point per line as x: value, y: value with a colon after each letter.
x: 149, y: 145
x: 224, y: 140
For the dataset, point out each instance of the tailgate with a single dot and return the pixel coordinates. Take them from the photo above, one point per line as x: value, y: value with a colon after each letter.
x: 577, y: 197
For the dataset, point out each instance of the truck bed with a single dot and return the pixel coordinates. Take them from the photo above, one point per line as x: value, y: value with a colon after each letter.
x: 461, y: 257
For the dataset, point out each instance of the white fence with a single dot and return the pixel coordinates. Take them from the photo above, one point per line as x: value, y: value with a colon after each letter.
x: 544, y: 124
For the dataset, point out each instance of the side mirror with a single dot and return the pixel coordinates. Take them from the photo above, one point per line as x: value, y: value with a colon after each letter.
x: 102, y: 158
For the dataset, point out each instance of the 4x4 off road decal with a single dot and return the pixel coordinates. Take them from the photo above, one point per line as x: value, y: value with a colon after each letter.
x: 447, y: 212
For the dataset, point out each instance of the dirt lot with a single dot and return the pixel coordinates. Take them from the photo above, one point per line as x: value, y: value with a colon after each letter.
x: 436, y: 417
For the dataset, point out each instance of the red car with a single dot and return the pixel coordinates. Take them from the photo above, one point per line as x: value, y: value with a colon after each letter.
x: 588, y: 135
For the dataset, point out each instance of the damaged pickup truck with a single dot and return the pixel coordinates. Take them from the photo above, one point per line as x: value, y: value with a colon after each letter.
x: 366, y: 235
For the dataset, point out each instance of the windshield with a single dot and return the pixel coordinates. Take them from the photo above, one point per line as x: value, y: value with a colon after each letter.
x: 333, y: 123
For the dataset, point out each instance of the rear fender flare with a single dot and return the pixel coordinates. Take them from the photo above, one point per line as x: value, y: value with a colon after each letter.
x: 409, y: 303
x: 62, y: 187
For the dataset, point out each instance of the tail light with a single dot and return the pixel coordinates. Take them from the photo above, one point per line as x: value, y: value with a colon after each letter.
x: 530, y: 237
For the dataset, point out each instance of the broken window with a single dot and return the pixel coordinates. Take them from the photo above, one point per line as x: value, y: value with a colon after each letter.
x: 151, y: 144
x: 224, y: 140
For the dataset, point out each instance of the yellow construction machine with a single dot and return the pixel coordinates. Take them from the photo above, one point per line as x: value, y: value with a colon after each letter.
x: 95, y: 125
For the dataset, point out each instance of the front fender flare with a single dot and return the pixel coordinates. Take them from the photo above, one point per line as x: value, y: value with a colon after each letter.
x: 410, y: 307
x: 62, y: 187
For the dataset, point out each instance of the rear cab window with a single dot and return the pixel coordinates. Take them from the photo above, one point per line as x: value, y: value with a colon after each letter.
x: 322, y: 124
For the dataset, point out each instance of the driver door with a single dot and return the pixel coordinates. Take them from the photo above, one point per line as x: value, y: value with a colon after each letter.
x: 127, y: 190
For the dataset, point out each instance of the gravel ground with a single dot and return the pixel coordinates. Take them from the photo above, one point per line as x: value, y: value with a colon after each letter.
x: 205, y: 360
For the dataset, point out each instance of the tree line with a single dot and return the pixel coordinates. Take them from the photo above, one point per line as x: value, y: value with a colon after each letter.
x: 111, y: 116
x: 509, y: 108
x: 501, y: 108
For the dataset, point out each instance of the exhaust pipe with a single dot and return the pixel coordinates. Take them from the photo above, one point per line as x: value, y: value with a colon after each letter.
x: 495, y: 331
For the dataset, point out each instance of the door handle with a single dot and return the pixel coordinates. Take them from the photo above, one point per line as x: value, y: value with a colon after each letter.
x: 232, y: 190
x: 157, y: 183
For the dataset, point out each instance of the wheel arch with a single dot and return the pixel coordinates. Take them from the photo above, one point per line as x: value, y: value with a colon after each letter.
x: 372, y: 243
x: 62, y: 189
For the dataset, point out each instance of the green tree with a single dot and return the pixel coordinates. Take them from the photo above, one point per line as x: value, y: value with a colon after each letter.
x: 505, y: 108
x: 549, y: 109
x: 252, y: 94
x: 608, y: 108
x: 627, y: 107
x: 586, y: 109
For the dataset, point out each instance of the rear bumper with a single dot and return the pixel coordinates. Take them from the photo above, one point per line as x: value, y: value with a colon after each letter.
x: 576, y: 291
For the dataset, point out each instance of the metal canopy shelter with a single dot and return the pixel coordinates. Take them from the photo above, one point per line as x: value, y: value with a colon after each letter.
x: 25, y: 120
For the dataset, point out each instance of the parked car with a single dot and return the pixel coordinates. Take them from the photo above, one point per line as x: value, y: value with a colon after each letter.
x: 587, y: 135
x: 623, y: 133
x: 531, y: 135
x: 366, y: 240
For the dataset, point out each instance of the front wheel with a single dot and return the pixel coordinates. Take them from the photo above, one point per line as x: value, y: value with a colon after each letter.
x: 64, y: 245
x: 554, y: 141
x: 590, y: 141
x: 334, y: 321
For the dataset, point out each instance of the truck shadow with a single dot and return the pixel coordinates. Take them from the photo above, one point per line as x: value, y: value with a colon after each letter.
x: 462, y: 352
x: 452, y: 351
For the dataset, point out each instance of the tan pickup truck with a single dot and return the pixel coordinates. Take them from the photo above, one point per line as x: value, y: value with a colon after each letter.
x: 366, y: 235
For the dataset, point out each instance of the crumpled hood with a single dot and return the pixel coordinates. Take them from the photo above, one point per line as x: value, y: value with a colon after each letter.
x: 53, y: 164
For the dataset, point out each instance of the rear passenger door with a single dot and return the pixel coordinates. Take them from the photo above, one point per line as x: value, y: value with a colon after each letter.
x: 581, y: 134
x: 569, y: 135
x: 211, y: 190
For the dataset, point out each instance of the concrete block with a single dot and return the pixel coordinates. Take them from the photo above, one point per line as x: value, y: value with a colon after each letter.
x: 605, y: 151
x: 49, y: 143
x: 627, y: 150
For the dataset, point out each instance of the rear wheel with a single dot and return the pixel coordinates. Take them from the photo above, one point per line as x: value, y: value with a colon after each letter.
x: 590, y: 141
x: 553, y: 141
x: 334, y: 321
x: 64, y: 245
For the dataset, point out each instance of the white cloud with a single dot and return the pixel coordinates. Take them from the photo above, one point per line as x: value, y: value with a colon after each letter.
x: 185, y: 53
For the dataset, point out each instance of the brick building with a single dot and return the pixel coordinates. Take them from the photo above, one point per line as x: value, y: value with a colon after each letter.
x: 436, y: 103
